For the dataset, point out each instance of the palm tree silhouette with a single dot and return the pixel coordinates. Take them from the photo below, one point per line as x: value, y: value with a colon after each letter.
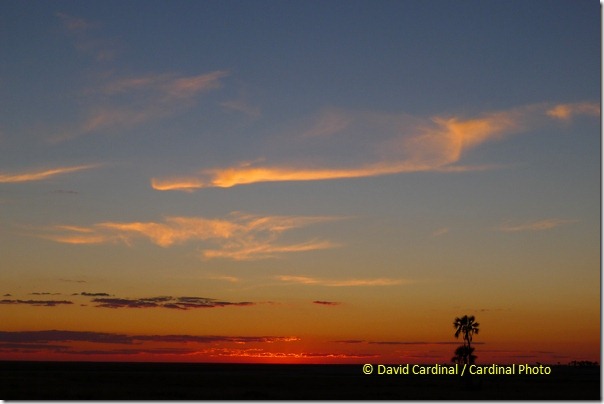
x: 467, y: 327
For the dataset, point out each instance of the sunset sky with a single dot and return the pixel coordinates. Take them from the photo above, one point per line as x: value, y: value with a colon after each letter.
x: 299, y: 181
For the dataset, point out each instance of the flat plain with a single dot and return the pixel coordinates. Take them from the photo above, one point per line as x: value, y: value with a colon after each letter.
x: 193, y: 381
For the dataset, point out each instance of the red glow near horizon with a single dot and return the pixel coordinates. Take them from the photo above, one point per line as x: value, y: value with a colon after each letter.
x: 261, y: 356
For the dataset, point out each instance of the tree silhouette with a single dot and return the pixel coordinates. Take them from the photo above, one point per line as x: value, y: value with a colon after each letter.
x: 466, y: 327
x: 464, y: 355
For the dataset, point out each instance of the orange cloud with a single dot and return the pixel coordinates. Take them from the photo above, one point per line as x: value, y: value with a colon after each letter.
x: 40, y: 175
x: 239, y: 236
x: 566, y: 112
x: 445, y: 144
x: 229, y: 177
x: 256, y: 250
x: 539, y: 225
x: 174, y: 230
x: 305, y: 280
x: 437, y: 144
x: 180, y: 184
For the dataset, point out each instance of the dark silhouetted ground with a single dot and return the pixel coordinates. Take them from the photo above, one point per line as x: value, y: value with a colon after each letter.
x: 188, y: 381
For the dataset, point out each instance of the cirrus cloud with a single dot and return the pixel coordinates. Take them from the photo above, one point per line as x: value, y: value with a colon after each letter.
x: 537, y: 225
x: 127, y: 102
x: 435, y: 144
x: 306, y: 280
x: 41, y: 174
x: 239, y: 236
x: 566, y: 112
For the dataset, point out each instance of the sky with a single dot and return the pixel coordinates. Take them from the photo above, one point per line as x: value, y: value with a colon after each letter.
x: 299, y: 181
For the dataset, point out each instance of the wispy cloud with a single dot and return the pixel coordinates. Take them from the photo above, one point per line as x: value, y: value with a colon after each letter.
x: 229, y: 177
x: 41, y: 174
x: 165, y: 87
x: 225, y: 278
x: 167, y: 302
x: 539, y: 225
x: 238, y: 236
x: 44, y: 294
x: 252, y: 249
x: 435, y: 144
x: 566, y: 112
x: 305, y: 280
x: 243, y: 105
x: 45, y: 303
x: 326, y: 303
x: 107, y: 300
x: 116, y: 102
x: 81, y: 30
x: 133, y: 101
x: 331, y: 122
